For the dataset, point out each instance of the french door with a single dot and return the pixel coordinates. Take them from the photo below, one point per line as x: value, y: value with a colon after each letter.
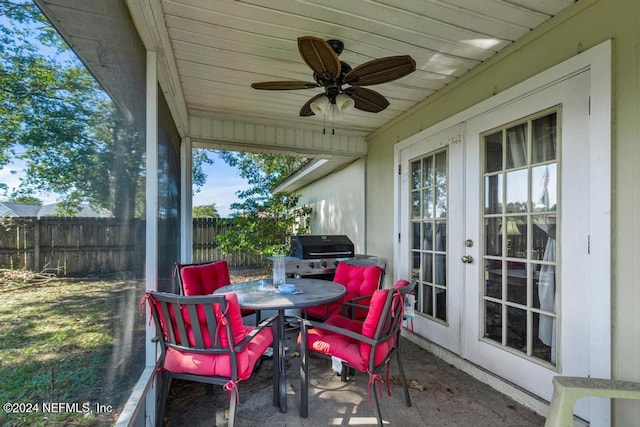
x: 529, y: 218
x: 431, y: 190
x: 494, y: 225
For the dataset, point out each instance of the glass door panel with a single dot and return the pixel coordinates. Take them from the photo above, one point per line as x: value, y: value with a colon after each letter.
x: 520, y: 241
x: 429, y: 224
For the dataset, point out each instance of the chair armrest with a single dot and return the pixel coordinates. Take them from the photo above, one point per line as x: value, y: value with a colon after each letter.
x: 361, y: 297
x: 267, y: 322
x: 255, y: 331
x: 338, y: 330
x: 353, y: 303
x: 349, y: 306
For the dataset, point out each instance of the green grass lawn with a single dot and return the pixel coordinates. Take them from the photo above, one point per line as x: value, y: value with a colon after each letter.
x: 70, y: 351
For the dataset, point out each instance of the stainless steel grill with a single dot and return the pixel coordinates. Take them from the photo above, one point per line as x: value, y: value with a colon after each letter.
x: 321, y: 246
x: 317, y: 256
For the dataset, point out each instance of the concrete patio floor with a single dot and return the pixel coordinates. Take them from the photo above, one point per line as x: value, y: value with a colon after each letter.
x: 449, y: 397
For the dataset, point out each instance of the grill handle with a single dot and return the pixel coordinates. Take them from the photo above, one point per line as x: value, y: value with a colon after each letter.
x: 348, y: 253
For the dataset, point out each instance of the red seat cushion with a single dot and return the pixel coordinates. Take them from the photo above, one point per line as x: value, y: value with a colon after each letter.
x: 336, y: 345
x: 354, y: 352
x: 203, y: 279
x: 184, y: 362
x: 345, y: 323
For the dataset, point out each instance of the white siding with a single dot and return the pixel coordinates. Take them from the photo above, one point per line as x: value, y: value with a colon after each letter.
x: 338, y: 204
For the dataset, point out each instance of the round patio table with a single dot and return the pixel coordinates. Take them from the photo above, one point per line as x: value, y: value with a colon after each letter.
x: 261, y: 295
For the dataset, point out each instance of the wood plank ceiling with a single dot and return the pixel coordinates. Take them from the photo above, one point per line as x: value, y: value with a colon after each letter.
x: 211, y: 51
x: 221, y: 47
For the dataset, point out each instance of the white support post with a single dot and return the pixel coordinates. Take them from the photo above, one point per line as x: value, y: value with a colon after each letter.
x: 151, y: 255
x: 186, y: 201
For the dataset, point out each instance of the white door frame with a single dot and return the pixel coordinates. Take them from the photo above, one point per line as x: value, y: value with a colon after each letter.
x: 598, y: 61
x: 447, y: 335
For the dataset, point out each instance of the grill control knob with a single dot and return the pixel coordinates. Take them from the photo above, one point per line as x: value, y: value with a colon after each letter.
x: 323, y: 264
x: 311, y: 265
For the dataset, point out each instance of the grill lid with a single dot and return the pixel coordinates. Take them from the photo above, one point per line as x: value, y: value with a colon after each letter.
x: 321, y: 246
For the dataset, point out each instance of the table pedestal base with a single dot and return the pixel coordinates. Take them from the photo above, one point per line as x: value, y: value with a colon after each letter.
x: 279, y: 376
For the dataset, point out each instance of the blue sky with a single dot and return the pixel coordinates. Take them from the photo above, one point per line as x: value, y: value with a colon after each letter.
x: 223, y: 182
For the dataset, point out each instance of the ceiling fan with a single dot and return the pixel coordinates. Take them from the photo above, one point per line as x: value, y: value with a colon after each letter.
x: 343, y: 86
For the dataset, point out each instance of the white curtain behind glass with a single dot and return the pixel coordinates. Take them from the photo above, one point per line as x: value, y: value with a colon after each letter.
x: 547, y: 277
x: 517, y: 146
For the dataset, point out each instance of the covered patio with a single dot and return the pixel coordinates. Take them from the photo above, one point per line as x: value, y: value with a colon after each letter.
x: 441, y: 395
x: 182, y: 71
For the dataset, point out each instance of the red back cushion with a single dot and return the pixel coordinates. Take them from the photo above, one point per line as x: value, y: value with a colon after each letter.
x: 238, y: 329
x: 375, y: 311
x: 371, y: 324
x: 203, y: 279
x: 358, y: 279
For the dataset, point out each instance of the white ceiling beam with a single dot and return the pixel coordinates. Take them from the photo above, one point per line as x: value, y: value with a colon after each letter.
x: 148, y: 18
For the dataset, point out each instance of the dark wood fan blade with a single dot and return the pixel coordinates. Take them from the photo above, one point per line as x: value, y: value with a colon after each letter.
x: 381, y: 70
x: 284, y: 85
x: 367, y: 99
x: 319, y: 56
x: 306, y: 111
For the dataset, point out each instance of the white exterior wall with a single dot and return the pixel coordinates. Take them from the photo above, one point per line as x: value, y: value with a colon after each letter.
x: 338, y: 203
x: 586, y: 25
x: 582, y: 27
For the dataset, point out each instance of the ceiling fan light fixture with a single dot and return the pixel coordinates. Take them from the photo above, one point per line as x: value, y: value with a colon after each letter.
x: 320, y: 106
x: 332, y: 74
x: 344, y: 103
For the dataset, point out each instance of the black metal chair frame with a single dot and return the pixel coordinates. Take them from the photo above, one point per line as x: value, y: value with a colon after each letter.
x: 349, y: 309
x: 172, y: 340
x: 389, y: 326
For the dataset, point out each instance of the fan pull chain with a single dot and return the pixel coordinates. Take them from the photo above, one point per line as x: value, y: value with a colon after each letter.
x: 333, y: 121
x: 324, y: 123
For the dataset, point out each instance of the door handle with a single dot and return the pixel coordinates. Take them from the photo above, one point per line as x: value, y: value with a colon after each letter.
x: 467, y: 259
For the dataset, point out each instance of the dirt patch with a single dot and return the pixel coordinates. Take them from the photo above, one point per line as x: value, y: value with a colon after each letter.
x: 244, y: 274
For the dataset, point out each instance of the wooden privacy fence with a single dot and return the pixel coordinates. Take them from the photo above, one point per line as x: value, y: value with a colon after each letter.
x: 73, y: 246
x: 205, y: 246
x: 98, y: 246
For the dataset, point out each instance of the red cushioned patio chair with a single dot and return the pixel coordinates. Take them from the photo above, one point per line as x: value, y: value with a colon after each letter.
x: 204, y: 339
x: 204, y: 278
x: 367, y: 345
x: 360, y: 280
x: 349, y: 308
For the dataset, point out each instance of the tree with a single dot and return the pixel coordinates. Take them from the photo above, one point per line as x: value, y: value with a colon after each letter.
x: 206, y: 211
x: 199, y: 158
x: 263, y: 221
x: 25, y: 200
x: 73, y: 139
